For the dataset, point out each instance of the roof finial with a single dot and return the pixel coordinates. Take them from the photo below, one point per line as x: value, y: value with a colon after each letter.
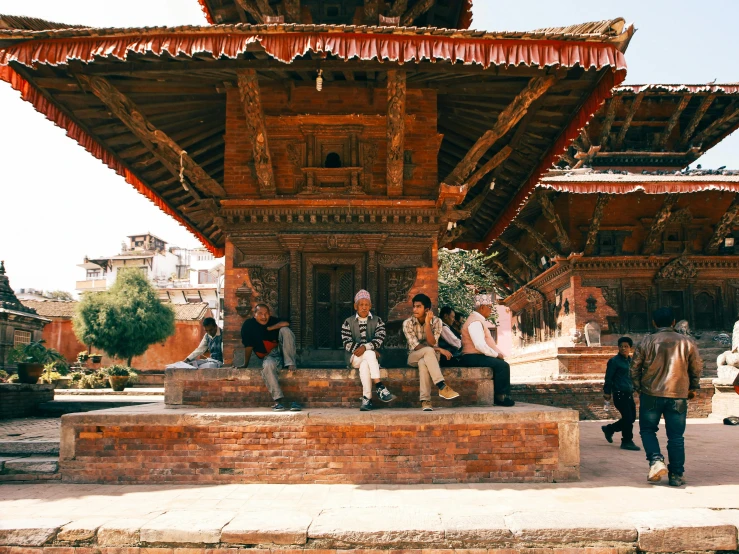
x: 2, y: 267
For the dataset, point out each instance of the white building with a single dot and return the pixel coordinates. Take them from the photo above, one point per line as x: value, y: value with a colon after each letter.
x: 182, y: 276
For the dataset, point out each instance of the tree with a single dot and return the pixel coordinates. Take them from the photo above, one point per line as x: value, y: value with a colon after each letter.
x: 462, y: 274
x: 125, y: 320
x: 60, y: 295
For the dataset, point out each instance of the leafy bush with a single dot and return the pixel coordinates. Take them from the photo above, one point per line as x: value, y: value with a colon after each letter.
x: 35, y: 353
x: 50, y: 377
x: 96, y: 380
x: 462, y: 274
x: 3, y: 376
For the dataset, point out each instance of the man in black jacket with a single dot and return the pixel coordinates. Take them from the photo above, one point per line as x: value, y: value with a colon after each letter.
x: 618, y: 386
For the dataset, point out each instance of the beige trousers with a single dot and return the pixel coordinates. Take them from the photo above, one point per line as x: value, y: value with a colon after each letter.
x: 427, y: 361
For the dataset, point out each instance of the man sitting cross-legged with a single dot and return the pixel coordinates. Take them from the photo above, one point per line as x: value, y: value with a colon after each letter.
x: 363, y: 334
x: 422, y: 331
x: 212, y: 343
x: 274, y: 344
x: 479, y: 349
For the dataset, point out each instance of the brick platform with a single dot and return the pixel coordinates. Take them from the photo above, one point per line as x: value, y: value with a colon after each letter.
x: 315, y: 388
x: 553, y: 363
x: 150, y: 444
x: 21, y: 400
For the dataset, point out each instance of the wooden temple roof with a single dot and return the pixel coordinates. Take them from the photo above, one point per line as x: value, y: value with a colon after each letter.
x: 656, y: 126
x: 176, y: 76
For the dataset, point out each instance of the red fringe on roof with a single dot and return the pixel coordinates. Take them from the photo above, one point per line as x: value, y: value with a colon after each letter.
x: 206, y: 11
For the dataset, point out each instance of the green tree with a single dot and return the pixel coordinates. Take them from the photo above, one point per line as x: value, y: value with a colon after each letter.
x: 462, y: 274
x: 60, y: 295
x: 125, y: 320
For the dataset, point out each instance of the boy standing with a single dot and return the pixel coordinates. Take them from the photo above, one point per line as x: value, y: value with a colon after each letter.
x: 618, y: 386
x: 363, y: 335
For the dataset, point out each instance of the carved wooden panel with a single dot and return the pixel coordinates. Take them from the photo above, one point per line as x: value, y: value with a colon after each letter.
x: 399, y: 283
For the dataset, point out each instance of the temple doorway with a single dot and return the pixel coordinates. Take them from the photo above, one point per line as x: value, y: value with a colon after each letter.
x: 334, y: 294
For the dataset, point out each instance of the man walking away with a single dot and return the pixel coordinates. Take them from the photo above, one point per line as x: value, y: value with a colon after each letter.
x: 618, y: 386
x: 665, y: 371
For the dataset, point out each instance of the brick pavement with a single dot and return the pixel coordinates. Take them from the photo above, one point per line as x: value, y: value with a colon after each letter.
x: 30, y: 429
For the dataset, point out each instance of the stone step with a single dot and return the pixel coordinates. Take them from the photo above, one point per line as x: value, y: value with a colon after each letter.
x: 19, y: 469
x: 69, y: 405
x: 133, y: 391
x: 29, y: 448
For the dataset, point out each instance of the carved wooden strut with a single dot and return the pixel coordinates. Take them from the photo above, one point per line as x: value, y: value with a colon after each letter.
x: 291, y: 8
x: 538, y: 237
x: 418, y: 9
x: 674, y: 118
x: 610, y: 118
x: 600, y: 206
x: 723, y: 227
x: 651, y: 243
x: 520, y: 255
x: 507, y: 271
x: 629, y: 118
x: 550, y: 213
x: 252, y: 102
x: 693, y: 125
x: 395, y: 131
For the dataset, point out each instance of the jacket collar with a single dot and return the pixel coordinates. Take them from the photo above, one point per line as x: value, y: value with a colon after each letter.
x: 356, y: 315
x: 665, y: 330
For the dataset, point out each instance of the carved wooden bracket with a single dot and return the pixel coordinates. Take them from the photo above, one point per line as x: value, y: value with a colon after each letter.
x: 723, y: 227
x: 396, y: 94
x: 252, y: 102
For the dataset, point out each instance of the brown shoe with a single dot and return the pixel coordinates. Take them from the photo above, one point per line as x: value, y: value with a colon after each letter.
x: 426, y: 406
x: 448, y: 393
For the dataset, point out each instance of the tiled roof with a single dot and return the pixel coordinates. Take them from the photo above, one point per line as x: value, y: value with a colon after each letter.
x: 65, y: 310
x: 190, y: 312
x: 31, y: 23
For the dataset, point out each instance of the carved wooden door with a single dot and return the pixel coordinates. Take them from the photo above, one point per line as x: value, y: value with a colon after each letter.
x: 674, y: 299
x: 705, y: 311
x: 334, y: 294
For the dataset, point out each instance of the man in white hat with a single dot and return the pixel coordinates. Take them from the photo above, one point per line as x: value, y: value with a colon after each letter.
x: 479, y: 349
x: 363, y: 334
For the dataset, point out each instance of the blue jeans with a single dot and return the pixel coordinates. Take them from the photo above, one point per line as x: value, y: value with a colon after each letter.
x: 674, y: 410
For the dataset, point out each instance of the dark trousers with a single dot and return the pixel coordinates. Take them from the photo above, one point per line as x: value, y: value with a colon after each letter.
x: 674, y: 410
x: 624, y: 403
x: 501, y: 371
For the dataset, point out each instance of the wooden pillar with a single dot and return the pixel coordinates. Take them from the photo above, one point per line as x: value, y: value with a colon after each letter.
x: 600, y: 206
x: 395, y: 131
x: 294, y: 245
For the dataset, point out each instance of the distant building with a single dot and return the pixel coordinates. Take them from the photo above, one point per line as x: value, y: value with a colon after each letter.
x: 182, y: 276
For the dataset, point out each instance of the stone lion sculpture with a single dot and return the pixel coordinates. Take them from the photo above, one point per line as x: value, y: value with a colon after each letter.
x: 728, y: 362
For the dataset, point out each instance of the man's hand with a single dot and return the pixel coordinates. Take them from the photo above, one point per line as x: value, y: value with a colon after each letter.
x: 359, y: 351
x: 691, y: 394
x: 445, y: 353
x: 607, y: 397
x: 279, y: 325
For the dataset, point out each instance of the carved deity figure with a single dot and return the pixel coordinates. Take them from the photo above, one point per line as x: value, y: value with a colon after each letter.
x: 728, y: 362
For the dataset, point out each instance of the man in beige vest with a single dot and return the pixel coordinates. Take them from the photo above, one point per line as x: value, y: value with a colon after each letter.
x: 479, y: 349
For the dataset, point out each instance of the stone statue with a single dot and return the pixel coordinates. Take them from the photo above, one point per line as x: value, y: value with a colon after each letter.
x: 728, y: 362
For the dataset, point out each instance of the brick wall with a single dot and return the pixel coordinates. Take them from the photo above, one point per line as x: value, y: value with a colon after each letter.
x: 317, y: 388
x: 333, y: 446
x: 21, y: 400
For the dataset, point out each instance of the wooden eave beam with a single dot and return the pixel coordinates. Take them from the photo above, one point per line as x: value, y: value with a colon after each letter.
x: 490, y: 165
x: 695, y: 121
x: 723, y: 227
x: 169, y: 153
x: 398, y: 9
x: 396, y: 98
x: 264, y: 7
x: 627, y: 121
x: 598, y: 211
x: 520, y: 255
x: 661, y: 220
x: 731, y: 111
x: 507, y: 119
x: 418, y: 9
x: 371, y: 12
x: 540, y: 239
x: 674, y: 118
x: 605, y: 132
x: 507, y: 271
x: 257, y: 130
x: 550, y: 213
x: 291, y: 9
x: 250, y: 7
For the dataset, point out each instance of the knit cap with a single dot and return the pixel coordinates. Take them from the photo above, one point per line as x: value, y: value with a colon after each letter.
x: 362, y: 295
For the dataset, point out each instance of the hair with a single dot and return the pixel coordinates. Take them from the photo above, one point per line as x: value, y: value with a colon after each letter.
x: 208, y: 321
x: 263, y: 305
x: 663, y: 317
x: 626, y: 339
x: 423, y: 299
x: 445, y: 311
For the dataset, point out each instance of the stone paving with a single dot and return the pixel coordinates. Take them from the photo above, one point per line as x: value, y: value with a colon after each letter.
x: 612, y: 506
x: 30, y: 429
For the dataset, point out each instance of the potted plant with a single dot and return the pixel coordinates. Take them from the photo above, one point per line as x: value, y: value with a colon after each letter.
x: 31, y: 359
x: 82, y: 357
x: 96, y: 358
x: 119, y: 376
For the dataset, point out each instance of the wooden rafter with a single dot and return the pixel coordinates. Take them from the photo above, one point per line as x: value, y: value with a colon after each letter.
x: 250, y: 7
x: 723, y: 227
x: 169, y: 153
x: 507, y: 271
x: 629, y: 118
x: 731, y: 111
x: 661, y: 220
x: 264, y: 7
x: 550, y: 213
x: 418, y: 9
x: 610, y: 118
x: 491, y: 164
x: 396, y: 90
x: 693, y: 125
x: 600, y: 206
x: 507, y: 119
x: 520, y: 255
x: 674, y: 118
x: 252, y: 102
x: 540, y: 239
x: 291, y: 9
x: 398, y: 9
x: 371, y: 12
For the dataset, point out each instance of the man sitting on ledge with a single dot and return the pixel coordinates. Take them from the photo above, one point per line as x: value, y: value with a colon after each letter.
x: 422, y: 331
x: 479, y: 349
x: 213, y: 343
x: 274, y: 344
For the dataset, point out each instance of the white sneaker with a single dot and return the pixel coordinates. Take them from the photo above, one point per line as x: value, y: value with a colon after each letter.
x: 656, y: 470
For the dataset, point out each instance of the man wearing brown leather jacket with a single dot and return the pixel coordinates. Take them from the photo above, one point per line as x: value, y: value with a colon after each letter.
x: 665, y: 370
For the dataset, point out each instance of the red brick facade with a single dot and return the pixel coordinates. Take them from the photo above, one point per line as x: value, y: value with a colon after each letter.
x: 20, y: 400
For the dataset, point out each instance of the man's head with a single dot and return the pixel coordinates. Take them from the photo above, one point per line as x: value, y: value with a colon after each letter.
x: 484, y: 304
x: 421, y: 305
x: 362, y: 303
x: 663, y: 317
x: 447, y: 315
x: 262, y: 313
x: 210, y: 326
x: 624, y: 346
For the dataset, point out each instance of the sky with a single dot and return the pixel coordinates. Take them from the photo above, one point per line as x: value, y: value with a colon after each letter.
x: 58, y: 203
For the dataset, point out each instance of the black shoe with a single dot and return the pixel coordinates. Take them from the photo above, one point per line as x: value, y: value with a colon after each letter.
x: 366, y: 405
x: 676, y: 480
x: 507, y: 402
x: 629, y: 445
x: 607, y: 433
x: 295, y: 407
x: 385, y: 395
x: 278, y: 407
